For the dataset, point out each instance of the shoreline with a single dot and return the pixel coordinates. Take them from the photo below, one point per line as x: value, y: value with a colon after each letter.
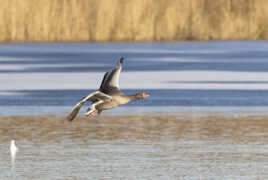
x: 135, y: 127
x: 134, y: 42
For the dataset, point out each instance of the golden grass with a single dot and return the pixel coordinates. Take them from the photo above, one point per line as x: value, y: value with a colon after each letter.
x: 132, y: 20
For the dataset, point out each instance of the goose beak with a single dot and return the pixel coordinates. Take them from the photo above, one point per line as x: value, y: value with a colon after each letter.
x: 144, y: 95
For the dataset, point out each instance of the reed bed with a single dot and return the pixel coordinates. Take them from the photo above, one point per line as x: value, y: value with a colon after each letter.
x: 132, y: 20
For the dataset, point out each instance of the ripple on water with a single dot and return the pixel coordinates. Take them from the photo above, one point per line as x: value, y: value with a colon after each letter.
x: 136, y: 147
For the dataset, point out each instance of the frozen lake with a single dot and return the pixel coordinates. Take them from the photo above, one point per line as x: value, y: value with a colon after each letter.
x: 224, y: 86
x: 186, y: 76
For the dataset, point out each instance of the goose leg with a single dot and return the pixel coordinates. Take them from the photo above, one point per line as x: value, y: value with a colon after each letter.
x: 91, y: 113
x: 91, y: 110
x: 99, y: 111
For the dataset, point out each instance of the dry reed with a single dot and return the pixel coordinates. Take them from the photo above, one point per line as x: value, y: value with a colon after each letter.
x: 132, y: 20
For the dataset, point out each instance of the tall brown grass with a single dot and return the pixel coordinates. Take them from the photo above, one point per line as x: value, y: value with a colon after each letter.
x: 132, y: 20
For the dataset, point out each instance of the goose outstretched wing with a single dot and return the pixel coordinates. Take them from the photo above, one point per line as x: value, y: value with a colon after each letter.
x: 110, y: 81
x: 93, y: 97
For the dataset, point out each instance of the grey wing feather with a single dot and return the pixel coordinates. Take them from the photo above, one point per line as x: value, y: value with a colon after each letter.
x: 110, y: 82
x: 103, y: 80
x: 97, y: 96
x: 91, y: 97
x: 74, y: 111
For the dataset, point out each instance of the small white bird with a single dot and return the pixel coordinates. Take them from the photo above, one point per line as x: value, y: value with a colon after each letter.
x: 13, y: 151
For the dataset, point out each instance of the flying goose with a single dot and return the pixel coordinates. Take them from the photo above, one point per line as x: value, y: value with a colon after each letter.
x: 108, y: 96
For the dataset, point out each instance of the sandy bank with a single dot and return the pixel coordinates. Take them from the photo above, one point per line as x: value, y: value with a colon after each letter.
x: 153, y: 127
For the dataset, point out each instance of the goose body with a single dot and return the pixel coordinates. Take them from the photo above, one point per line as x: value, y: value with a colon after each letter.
x: 108, y: 96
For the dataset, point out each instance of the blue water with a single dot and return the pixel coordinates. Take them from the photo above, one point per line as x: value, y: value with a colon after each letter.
x: 246, y: 56
x: 225, y: 76
x: 71, y: 58
x: 158, y: 97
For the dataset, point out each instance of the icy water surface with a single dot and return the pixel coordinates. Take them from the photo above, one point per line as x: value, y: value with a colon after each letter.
x: 180, y: 146
x: 205, y: 118
x: 186, y: 76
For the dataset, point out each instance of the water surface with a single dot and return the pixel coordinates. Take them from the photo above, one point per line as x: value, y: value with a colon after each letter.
x: 206, y: 117
x: 180, y: 146
x: 187, y: 76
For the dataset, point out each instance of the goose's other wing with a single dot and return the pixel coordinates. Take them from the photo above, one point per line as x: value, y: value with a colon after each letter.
x: 110, y: 81
x: 95, y: 96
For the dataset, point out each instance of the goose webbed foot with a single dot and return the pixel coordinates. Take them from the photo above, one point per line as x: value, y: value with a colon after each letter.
x: 90, y: 112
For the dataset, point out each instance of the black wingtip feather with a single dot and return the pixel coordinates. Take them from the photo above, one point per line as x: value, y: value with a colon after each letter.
x: 121, y: 60
x: 74, y: 112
